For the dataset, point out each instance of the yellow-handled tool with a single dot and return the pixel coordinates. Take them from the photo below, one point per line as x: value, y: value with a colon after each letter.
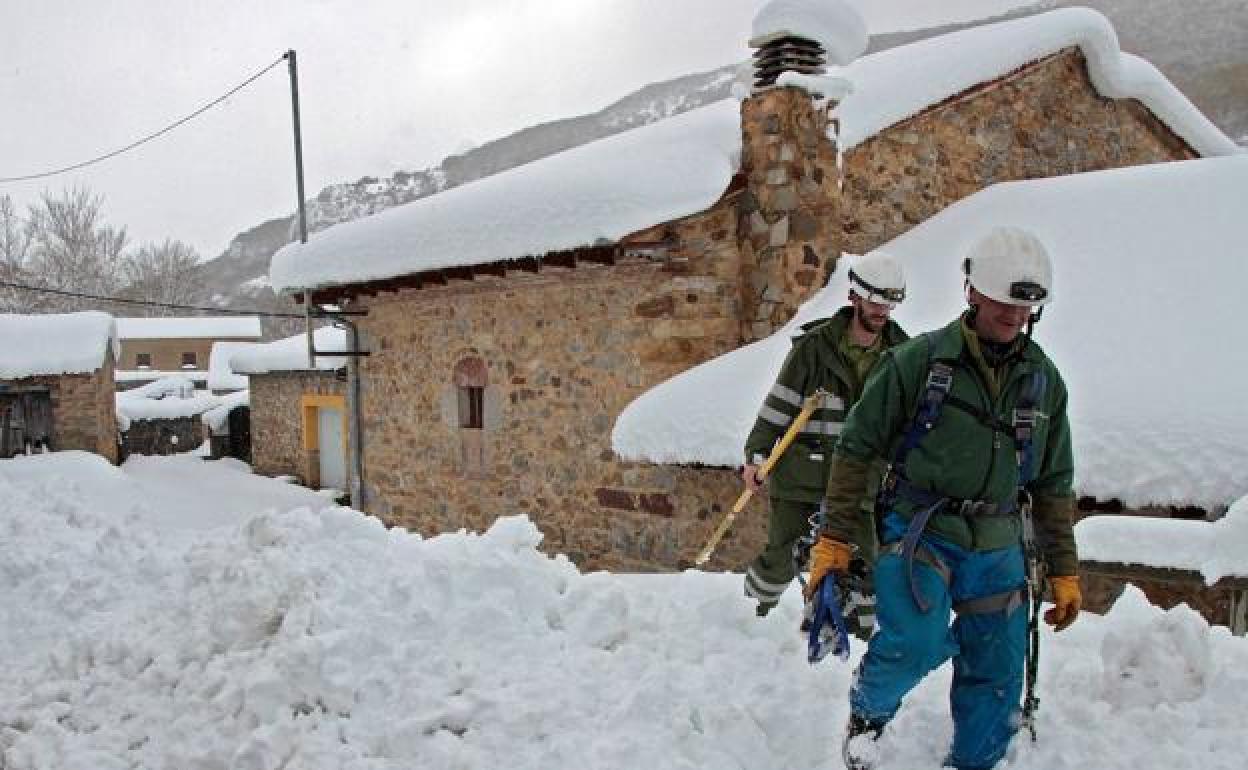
x: 808, y: 408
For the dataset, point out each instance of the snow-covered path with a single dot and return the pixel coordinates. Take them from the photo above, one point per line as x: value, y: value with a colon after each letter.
x: 295, y: 635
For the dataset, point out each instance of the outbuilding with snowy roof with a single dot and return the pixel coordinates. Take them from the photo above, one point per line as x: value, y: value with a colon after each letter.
x: 510, y: 320
x: 297, y: 418
x: 58, y: 393
x: 154, y: 348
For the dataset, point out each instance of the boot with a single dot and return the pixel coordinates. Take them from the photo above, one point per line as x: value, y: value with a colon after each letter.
x: 861, y: 754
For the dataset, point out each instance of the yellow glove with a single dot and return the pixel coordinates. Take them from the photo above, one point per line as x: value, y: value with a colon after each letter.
x: 826, y: 555
x: 1067, y: 599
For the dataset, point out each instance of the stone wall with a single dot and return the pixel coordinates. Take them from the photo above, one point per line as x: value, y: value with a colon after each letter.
x: 84, y: 412
x: 1044, y: 120
x: 164, y: 436
x: 1166, y: 588
x: 277, y: 421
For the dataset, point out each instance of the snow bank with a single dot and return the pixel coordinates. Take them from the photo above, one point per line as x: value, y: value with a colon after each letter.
x: 165, y: 399
x: 319, y: 639
x: 597, y: 192
x: 895, y: 84
x: 66, y: 343
x: 291, y: 353
x: 198, y: 327
x: 1149, y: 268
x: 832, y: 23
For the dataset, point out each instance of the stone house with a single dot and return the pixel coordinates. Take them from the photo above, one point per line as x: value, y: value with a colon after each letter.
x: 1135, y: 250
x: 58, y: 394
x: 298, y: 412
x: 509, y: 322
x: 152, y: 348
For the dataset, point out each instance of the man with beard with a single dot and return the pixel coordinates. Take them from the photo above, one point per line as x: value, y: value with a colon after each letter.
x: 834, y: 354
x: 972, y: 419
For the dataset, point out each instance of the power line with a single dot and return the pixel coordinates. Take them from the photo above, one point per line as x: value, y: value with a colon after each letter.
x: 149, y: 137
x: 145, y: 303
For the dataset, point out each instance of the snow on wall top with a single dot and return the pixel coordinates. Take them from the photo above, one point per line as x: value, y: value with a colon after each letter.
x: 609, y: 188
x: 220, y: 375
x: 1149, y: 265
x: 67, y: 343
x: 169, y: 398
x: 1215, y: 549
x: 599, y: 191
x: 291, y: 353
x: 898, y: 83
x: 831, y: 23
x: 188, y: 328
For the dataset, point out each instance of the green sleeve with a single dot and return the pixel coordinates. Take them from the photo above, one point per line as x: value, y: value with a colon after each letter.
x: 1052, y: 490
x: 864, y: 443
x: 779, y: 407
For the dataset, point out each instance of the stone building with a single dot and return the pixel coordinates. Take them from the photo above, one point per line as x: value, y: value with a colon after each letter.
x: 298, y: 413
x: 510, y: 321
x: 58, y: 394
x: 152, y: 348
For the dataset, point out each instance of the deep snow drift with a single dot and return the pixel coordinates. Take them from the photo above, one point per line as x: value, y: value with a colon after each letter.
x: 301, y: 638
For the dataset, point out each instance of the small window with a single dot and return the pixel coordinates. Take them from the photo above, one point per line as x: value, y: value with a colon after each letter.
x: 188, y: 361
x: 143, y: 360
x: 471, y: 407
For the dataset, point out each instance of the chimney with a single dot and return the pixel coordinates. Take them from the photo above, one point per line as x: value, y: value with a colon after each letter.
x: 789, y: 216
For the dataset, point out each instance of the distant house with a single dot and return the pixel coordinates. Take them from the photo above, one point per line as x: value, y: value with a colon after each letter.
x: 511, y: 320
x: 58, y: 394
x: 152, y: 348
x: 298, y: 411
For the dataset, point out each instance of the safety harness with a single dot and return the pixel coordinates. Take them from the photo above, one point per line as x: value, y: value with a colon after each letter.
x: 895, y: 487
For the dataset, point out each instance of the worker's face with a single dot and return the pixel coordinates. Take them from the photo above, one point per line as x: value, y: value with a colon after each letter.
x: 872, y: 316
x: 997, y: 321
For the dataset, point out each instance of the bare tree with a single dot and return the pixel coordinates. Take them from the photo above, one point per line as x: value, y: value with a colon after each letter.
x: 71, y: 248
x: 14, y: 247
x: 163, y: 272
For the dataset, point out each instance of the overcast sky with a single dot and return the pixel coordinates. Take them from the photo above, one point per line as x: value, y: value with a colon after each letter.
x: 384, y: 85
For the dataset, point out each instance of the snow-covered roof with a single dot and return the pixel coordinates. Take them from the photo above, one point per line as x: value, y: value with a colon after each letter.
x: 291, y: 353
x: 895, y: 84
x: 66, y: 343
x: 603, y: 190
x: 1150, y: 269
x: 831, y: 23
x: 220, y: 375
x: 165, y: 399
x: 199, y: 327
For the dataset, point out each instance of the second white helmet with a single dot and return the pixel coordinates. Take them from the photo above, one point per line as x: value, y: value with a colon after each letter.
x: 1010, y: 265
x: 878, y: 277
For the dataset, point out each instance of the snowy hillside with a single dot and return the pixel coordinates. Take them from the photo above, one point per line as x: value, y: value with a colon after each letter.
x: 142, y: 629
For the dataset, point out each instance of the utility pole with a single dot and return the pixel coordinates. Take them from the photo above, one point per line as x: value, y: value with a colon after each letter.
x: 294, y: 107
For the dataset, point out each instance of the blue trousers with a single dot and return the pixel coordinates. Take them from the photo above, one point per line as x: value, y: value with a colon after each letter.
x: 988, y: 650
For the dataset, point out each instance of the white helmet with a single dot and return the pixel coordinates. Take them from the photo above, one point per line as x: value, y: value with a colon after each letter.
x: 877, y: 277
x: 1010, y: 265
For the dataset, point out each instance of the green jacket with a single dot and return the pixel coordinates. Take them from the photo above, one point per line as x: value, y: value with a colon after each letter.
x: 963, y: 456
x: 812, y: 363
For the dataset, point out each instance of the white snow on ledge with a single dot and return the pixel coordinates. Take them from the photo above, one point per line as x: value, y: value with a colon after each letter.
x: 59, y: 343
x: 600, y: 191
x: 290, y: 354
x: 1149, y: 269
x: 170, y: 398
x: 1214, y: 549
x: 898, y: 83
x: 195, y: 327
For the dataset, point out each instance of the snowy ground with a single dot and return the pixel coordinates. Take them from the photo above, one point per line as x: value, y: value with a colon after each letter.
x: 180, y: 614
